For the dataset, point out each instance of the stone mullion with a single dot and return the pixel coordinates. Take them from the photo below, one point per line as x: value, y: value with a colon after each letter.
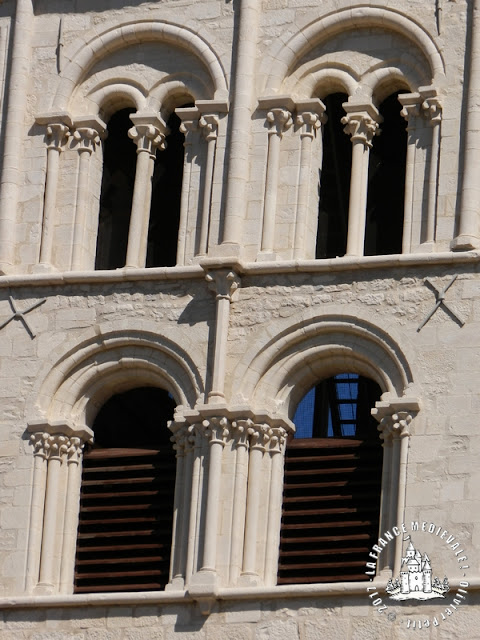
x: 148, y: 133
x: 239, y: 497
x: 361, y: 123
x: 259, y: 435
x: 209, y: 125
x: 188, y: 127
x: 70, y: 525
x: 87, y: 135
x: 38, y: 440
x: 57, y: 134
x: 272, y: 544
x: 279, y: 121
x: 309, y: 119
x: 388, y: 502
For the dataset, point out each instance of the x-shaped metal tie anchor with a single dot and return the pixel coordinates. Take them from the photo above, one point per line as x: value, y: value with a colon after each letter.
x: 20, y: 315
x: 440, y: 296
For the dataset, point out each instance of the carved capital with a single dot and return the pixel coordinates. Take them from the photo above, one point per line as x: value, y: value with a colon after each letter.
x: 38, y: 441
x: 209, y: 125
x: 148, y: 138
x: 361, y: 127
x: 432, y: 110
x: 278, y: 440
x: 395, y: 426
x: 216, y: 429
x: 88, y: 133
x: 309, y: 123
x: 279, y: 120
x: 74, y: 450
x: 240, y: 429
x: 52, y: 446
x: 223, y: 282
x: 57, y: 135
x: 260, y: 435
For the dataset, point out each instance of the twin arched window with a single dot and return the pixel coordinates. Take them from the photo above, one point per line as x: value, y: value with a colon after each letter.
x: 162, y: 198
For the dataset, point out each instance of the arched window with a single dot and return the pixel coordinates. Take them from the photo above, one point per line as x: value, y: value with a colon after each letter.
x: 334, y: 183
x: 386, y: 182
x: 126, y: 504
x: 332, y: 484
x: 119, y: 160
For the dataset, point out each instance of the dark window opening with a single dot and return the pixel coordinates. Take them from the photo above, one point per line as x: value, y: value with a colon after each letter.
x: 386, y: 183
x: 334, y: 183
x: 119, y: 162
x: 166, y: 197
x: 332, y: 484
x: 126, y: 502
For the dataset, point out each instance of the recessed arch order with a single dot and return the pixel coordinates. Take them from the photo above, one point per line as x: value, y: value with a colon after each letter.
x: 90, y: 51
x: 289, y: 52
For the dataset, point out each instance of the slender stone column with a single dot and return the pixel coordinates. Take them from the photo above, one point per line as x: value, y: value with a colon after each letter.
x: 277, y: 453
x: 469, y: 228
x: 410, y: 111
x: 394, y: 419
x: 217, y: 431
x: 310, y: 117
x: 209, y: 126
x: 189, y: 117
x: 57, y: 133
x: 259, y: 437
x: 279, y: 120
x: 57, y: 447
x: 177, y: 563
x: 40, y: 444
x: 148, y: 133
x: 432, y: 110
x: 70, y: 526
x: 361, y: 123
x: 240, y: 432
x: 87, y: 134
x: 224, y: 283
x: 194, y: 458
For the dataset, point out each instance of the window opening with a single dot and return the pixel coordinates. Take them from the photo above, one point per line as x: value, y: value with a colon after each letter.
x: 126, y: 503
x: 332, y: 484
x: 334, y: 183
x: 386, y: 182
x: 119, y: 162
x: 166, y: 198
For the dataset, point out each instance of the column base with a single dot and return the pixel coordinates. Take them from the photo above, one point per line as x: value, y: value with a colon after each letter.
x: 225, y: 250
x: 249, y: 580
x: 44, y: 589
x: 266, y: 256
x: 177, y: 584
x: 44, y: 267
x: 465, y: 242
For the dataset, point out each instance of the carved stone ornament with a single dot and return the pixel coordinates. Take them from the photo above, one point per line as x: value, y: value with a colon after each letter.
x: 279, y: 121
x: 148, y: 138
x: 360, y: 127
x: 223, y: 282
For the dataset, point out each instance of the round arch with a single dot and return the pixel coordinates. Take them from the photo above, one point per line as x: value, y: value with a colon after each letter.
x: 83, y: 379
x: 91, y: 51
x: 288, y: 53
x: 290, y: 364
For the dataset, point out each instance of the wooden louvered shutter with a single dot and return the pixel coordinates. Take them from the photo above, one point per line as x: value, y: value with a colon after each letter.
x: 331, y: 506
x: 125, y: 527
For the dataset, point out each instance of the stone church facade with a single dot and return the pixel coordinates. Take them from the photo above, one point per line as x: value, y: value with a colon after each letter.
x: 232, y: 204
